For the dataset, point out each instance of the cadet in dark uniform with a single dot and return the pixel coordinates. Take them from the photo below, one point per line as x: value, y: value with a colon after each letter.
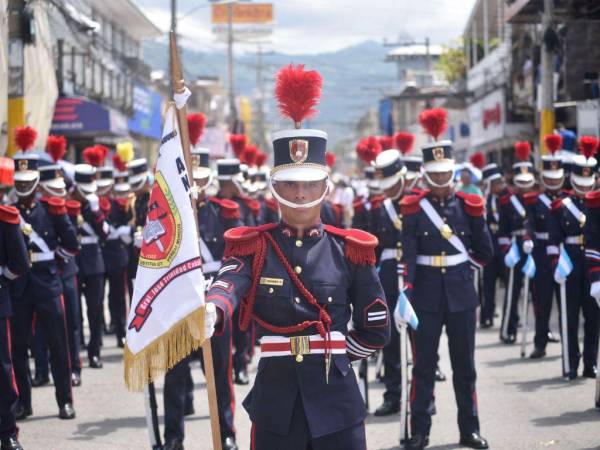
x: 442, y: 234
x: 302, y: 282
x: 567, y: 226
x: 363, y: 206
x: 215, y: 217
x: 50, y: 237
x: 93, y: 231
x: 14, y: 262
x: 495, y: 269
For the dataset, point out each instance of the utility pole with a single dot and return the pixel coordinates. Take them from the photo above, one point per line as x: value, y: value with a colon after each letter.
x: 260, y: 100
x: 232, y: 107
x: 547, y: 79
x: 16, y: 72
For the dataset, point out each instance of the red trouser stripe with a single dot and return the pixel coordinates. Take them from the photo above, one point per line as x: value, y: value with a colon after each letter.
x: 9, y: 335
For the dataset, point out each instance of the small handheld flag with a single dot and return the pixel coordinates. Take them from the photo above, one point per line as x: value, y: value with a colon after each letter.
x: 405, y: 311
x: 529, y: 267
x: 512, y: 257
x: 564, y: 266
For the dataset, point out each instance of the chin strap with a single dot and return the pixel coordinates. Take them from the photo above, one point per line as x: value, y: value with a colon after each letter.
x: 448, y: 183
x: 552, y: 188
x: 29, y: 191
x: 293, y: 205
x: 579, y: 191
x: 400, y: 191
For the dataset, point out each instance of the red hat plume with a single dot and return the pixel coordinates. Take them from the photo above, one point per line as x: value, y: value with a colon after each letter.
x: 434, y: 121
x: 330, y: 159
x: 370, y: 148
x: 522, y: 150
x: 553, y: 142
x: 588, y: 146
x: 196, y: 124
x: 238, y: 143
x: 56, y: 147
x: 386, y: 142
x: 404, y: 141
x: 25, y: 137
x: 261, y: 159
x: 119, y: 164
x: 298, y: 92
x: 103, y: 151
x: 248, y: 156
x: 93, y: 156
x: 478, y: 160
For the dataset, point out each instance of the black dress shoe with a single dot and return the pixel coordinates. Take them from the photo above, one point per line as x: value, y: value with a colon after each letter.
x: 590, y: 372
x: 75, y: 380
x: 229, y: 443
x: 40, y: 380
x: 474, y: 440
x: 417, y: 442
x: 241, y: 378
x: 66, y: 412
x: 174, y: 444
x: 552, y: 338
x: 22, y: 412
x: 510, y: 339
x: 572, y: 375
x: 96, y: 362
x: 120, y: 342
x: 10, y: 443
x: 387, y: 409
x: 487, y: 323
x: 439, y: 375
x: 537, y: 353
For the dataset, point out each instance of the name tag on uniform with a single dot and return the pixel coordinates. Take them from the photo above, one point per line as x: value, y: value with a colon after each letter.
x: 271, y: 281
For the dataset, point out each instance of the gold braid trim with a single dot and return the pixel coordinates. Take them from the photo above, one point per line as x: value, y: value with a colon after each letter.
x: 298, y: 165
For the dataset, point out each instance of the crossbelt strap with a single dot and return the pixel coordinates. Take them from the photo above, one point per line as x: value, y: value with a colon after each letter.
x: 573, y: 209
x: 437, y: 221
x: 517, y: 205
x: 41, y: 257
x: 392, y: 214
x: 88, y: 229
x: 88, y: 240
x: 28, y: 230
x: 441, y: 260
x: 545, y: 200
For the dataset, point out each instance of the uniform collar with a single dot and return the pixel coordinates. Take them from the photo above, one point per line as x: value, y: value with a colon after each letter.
x: 441, y: 200
x: 291, y: 232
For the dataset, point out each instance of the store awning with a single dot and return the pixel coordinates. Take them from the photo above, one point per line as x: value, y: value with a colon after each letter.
x: 80, y: 117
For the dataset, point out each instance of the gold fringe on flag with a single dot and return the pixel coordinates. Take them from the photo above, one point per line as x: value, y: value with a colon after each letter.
x: 164, y: 352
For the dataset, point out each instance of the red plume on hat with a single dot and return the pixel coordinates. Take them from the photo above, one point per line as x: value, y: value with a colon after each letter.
x: 553, y: 142
x: 196, y: 124
x: 238, y: 143
x: 248, y: 156
x: 56, y: 147
x: 25, y: 137
x: 118, y: 163
x: 404, y: 141
x: 588, y: 146
x: 103, y: 151
x: 330, y: 159
x: 434, y: 121
x: 261, y: 159
x: 368, y: 148
x: 93, y: 156
x: 386, y: 142
x: 522, y: 150
x: 478, y: 160
x: 298, y: 92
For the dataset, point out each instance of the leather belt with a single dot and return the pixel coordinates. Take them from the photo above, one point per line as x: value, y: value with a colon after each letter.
x: 271, y: 346
x: 441, y: 260
x: 41, y: 257
x: 391, y: 253
x: 575, y: 240
x: 88, y: 240
x: 542, y: 236
x: 519, y: 232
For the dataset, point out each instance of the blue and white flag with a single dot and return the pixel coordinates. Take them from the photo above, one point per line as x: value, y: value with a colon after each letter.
x: 529, y: 267
x: 404, y: 312
x: 512, y: 257
x: 564, y: 266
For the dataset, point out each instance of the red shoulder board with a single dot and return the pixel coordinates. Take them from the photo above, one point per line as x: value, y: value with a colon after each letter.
x: 56, y: 206
x: 73, y: 208
x: 272, y: 204
x: 104, y: 205
x: 9, y: 214
x: 229, y: 208
x: 358, y: 205
x: 556, y: 204
x: 377, y: 201
x: 122, y: 202
x: 474, y: 204
x: 253, y: 205
x: 530, y: 198
x: 410, y: 204
x: 505, y: 199
x: 243, y: 241
x: 592, y: 199
x: 360, y: 245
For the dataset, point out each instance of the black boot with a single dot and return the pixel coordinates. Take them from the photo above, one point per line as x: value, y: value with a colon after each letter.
x: 537, y: 353
x: 10, y: 443
x: 387, y: 408
x: 417, y: 442
x: 66, y: 412
x: 474, y: 440
x: 40, y: 380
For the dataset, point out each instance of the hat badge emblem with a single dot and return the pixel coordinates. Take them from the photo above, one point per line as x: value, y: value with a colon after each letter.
x: 298, y: 150
x: 23, y: 164
x: 438, y: 153
x: 554, y: 165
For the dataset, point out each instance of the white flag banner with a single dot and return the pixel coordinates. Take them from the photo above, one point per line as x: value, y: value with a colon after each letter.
x: 166, y: 320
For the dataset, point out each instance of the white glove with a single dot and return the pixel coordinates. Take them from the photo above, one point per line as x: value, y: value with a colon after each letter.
x: 194, y: 191
x: 595, y: 291
x: 137, y: 239
x: 181, y: 98
x: 124, y: 232
x: 398, y: 319
x: 210, y: 320
x: 527, y: 246
x: 94, y: 202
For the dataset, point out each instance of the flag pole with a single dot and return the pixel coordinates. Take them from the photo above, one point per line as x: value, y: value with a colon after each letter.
x: 209, y: 373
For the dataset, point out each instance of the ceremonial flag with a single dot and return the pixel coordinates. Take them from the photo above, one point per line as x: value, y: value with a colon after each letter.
x: 564, y: 266
x: 166, y: 321
x: 512, y: 257
x: 529, y: 267
x: 406, y: 311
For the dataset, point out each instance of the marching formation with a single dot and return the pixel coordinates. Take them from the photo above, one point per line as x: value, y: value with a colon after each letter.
x: 309, y: 270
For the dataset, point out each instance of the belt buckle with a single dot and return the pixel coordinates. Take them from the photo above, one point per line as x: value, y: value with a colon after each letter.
x: 580, y: 239
x: 439, y: 261
x: 299, y: 345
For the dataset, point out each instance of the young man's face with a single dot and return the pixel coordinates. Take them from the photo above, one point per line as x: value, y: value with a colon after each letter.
x: 300, y: 192
x: 497, y: 186
x: 465, y: 177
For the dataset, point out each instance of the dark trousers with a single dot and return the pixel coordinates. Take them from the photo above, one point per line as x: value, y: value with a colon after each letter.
x: 8, y: 382
x: 460, y: 328
x: 513, y: 315
x: 117, y: 298
x: 50, y: 316
x: 578, y: 299
x: 543, y: 291
x: 242, y: 342
x: 299, y: 438
x: 177, y: 389
x: 92, y: 288
x: 391, y: 352
x: 492, y: 272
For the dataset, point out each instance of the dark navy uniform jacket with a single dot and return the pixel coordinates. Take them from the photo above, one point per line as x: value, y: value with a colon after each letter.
x: 539, y: 212
x: 514, y: 222
x: 50, y: 221
x: 429, y: 287
x: 592, y: 235
x: 564, y: 224
x: 363, y: 210
x: 114, y: 250
x: 14, y: 260
x: 93, y: 225
x: 269, y: 210
x: 492, y: 215
x: 339, y: 273
x: 249, y: 210
x: 390, y: 243
x: 331, y: 214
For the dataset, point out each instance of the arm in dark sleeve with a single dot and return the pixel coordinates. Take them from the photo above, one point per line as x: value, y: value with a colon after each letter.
x: 17, y: 258
x: 68, y: 245
x: 504, y: 231
x: 592, y: 239
x: 370, y: 314
x: 409, y: 250
x: 482, y: 250
x: 96, y: 220
x: 555, y: 234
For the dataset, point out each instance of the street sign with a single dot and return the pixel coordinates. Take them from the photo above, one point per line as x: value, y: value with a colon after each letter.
x: 243, y: 13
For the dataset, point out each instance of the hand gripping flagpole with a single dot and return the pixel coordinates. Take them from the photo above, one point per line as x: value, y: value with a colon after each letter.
x: 509, y: 295
x: 209, y: 372
x: 403, y: 365
x: 529, y: 272
x: 564, y: 338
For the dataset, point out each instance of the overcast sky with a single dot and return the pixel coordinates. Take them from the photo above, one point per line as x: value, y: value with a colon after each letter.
x: 317, y: 26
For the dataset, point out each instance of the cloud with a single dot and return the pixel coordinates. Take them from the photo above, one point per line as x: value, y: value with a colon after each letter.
x: 317, y: 26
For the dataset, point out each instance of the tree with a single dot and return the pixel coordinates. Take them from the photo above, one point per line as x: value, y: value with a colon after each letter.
x: 453, y: 62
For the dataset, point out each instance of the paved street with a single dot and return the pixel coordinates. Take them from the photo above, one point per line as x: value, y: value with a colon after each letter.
x: 524, y: 405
